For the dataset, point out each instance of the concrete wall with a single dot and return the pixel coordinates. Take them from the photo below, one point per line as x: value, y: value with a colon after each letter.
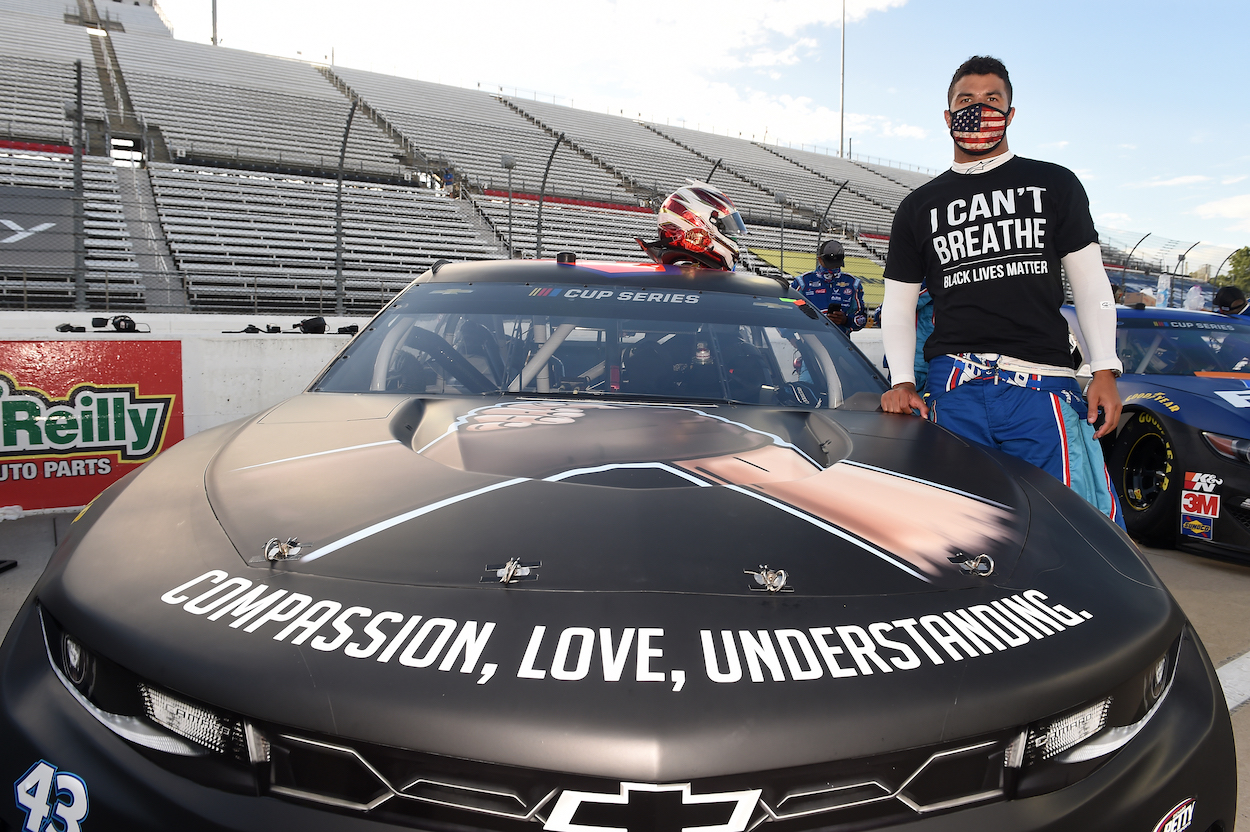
x: 225, y: 375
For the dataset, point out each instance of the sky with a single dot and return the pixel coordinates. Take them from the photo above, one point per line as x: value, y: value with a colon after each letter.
x: 1147, y: 100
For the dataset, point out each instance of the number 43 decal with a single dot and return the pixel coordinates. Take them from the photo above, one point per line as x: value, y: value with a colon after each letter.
x: 51, y: 799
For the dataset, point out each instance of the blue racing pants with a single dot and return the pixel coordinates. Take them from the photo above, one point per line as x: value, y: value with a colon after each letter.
x: 1039, y: 419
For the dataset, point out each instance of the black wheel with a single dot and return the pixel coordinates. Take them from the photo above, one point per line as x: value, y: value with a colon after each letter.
x: 1142, y: 468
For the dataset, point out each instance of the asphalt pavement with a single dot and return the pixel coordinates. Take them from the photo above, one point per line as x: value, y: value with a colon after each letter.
x: 1214, y: 594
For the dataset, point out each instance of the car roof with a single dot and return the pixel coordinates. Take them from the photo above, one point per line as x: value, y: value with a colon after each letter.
x: 1165, y: 314
x: 598, y: 273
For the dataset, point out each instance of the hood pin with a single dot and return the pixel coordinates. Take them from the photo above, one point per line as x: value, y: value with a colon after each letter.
x: 276, y: 550
x: 511, y: 572
x: 769, y: 580
x: 981, y: 565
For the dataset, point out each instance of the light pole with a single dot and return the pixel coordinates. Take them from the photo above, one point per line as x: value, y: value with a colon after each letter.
x: 842, y: 84
x: 508, y: 163
x: 340, y: 288
x: 780, y: 199
x: 821, y: 227
x: 74, y: 111
x: 542, y: 193
x: 1222, y: 262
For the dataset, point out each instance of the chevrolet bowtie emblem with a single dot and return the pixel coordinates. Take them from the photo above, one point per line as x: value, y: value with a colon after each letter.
x: 982, y: 565
x: 511, y: 572
x: 647, y: 807
x: 770, y: 580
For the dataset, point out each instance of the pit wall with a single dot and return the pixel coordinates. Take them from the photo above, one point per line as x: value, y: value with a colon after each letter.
x: 80, y: 410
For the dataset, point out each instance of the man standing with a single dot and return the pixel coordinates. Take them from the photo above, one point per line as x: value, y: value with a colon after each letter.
x: 989, y: 236
x: 838, y: 294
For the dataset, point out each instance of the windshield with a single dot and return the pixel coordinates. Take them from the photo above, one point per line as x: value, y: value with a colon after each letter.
x: 1184, y: 347
x: 603, y: 341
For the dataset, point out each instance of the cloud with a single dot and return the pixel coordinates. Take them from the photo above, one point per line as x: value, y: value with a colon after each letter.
x: 1127, y: 146
x: 1232, y: 180
x: 1114, y: 220
x: 1232, y: 208
x: 1192, y: 179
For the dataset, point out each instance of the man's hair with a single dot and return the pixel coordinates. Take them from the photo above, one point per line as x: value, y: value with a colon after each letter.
x: 980, y: 65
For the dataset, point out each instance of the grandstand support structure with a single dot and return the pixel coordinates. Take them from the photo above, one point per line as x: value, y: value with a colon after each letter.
x: 126, y: 123
x: 643, y: 192
x: 163, y: 287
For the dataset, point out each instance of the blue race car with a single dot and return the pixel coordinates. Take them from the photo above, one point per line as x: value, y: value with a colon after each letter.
x: 1180, y: 460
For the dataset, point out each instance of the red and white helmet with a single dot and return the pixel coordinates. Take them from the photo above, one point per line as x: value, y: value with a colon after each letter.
x: 702, y: 220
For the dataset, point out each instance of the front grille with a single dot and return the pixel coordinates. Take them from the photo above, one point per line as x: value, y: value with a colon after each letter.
x: 1239, y: 507
x: 426, y: 790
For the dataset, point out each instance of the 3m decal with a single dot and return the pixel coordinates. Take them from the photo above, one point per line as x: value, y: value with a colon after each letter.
x: 1199, y: 527
x: 1179, y: 818
x: 637, y: 805
x: 1237, y: 398
x: 1201, y: 482
x: 51, y: 799
x: 1200, y: 504
x: 626, y: 654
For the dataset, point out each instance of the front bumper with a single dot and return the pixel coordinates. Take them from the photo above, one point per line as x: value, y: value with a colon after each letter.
x: 1185, y: 751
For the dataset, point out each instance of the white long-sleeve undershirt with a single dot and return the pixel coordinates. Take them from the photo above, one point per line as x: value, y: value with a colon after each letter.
x: 1091, y: 293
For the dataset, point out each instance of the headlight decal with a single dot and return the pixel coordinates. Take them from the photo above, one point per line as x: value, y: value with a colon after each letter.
x: 128, y: 728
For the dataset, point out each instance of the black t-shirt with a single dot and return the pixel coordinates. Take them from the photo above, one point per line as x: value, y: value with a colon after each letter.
x: 990, y: 245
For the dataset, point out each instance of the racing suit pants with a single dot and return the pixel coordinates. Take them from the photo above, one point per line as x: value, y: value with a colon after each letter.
x: 1039, y: 419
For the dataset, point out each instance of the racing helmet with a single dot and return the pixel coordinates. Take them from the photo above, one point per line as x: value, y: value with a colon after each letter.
x: 832, y: 255
x: 701, y: 220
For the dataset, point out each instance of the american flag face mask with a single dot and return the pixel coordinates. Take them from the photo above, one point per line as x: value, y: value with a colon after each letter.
x: 978, y: 128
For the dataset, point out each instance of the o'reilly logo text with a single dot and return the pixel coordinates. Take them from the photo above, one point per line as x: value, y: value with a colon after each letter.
x: 114, y: 418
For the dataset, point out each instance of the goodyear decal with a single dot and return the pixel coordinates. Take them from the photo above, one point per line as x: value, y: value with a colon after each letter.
x: 1154, y: 397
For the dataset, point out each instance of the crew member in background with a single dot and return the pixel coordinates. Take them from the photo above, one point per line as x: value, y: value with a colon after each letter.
x: 838, y: 294
x: 988, y: 237
x: 1230, y: 300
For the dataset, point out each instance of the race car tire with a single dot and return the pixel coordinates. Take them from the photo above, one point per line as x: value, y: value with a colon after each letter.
x: 1142, y: 467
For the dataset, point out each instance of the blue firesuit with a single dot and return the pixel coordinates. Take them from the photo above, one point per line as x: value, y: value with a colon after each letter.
x: 825, y: 286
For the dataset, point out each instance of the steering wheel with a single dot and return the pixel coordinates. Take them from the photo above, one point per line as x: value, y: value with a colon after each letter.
x: 799, y: 394
x: 448, y: 360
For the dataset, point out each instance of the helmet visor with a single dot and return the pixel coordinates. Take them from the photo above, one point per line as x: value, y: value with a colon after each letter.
x: 730, y: 224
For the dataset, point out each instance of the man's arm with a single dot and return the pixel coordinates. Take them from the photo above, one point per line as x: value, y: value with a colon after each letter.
x: 1095, y: 311
x: 898, y: 334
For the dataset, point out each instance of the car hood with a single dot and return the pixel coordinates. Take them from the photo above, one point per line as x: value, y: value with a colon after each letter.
x: 643, y: 649
x: 608, y: 497
x: 1218, y: 402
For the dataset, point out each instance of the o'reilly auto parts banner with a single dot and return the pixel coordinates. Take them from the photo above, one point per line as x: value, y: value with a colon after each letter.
x: 76, y: 416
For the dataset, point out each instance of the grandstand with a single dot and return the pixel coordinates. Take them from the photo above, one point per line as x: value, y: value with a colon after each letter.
x: 251, y: 243
x: 111, y: 272
x: 231, y: 204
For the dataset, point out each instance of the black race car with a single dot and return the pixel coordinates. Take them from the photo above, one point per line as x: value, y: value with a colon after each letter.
x: 602, y: 546
x: 1180, y: 460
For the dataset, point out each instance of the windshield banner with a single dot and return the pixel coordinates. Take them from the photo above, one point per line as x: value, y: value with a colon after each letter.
x: 76, y: 416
